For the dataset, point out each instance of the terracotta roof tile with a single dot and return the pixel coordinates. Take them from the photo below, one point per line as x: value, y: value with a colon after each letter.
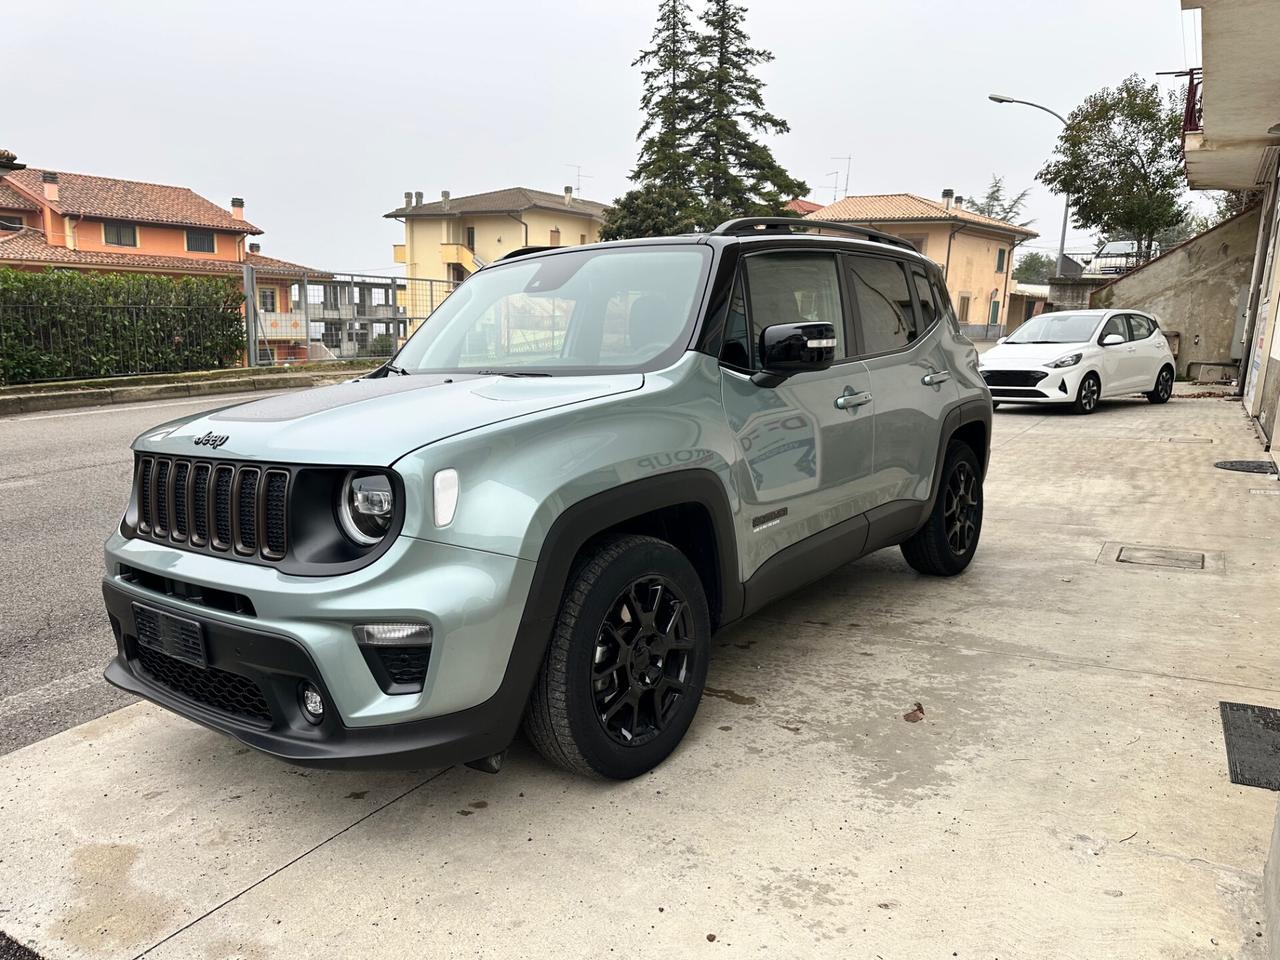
x: 903, y: 207
x: 29, y: 246
x: 803, y: 207
x: 13, y: 200
x: 82, y: 195
x: 509, y: 200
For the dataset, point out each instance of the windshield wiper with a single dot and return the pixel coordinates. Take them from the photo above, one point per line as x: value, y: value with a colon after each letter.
x: 511, y: 373
x: 394, y: 369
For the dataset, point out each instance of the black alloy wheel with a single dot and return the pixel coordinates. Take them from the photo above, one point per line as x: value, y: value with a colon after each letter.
x: 1164, y: 386
x: 1087, y: 395
x: 961, y: 511
x: 643, y: 660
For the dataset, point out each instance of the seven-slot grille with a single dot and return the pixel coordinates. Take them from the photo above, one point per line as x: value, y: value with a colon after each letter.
x: 241, y: 509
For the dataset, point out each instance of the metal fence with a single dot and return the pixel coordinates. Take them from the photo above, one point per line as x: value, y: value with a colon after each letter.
x: 339, y: 316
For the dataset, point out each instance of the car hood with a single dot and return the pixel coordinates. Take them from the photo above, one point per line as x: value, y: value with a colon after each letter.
x: 1028, y: 354
x: 371, y: 422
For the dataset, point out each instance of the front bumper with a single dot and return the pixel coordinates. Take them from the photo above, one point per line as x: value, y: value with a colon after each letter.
x: 1032, y: 384
x: 483, y: 659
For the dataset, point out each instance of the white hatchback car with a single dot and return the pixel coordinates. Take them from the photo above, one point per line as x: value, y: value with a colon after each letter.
x: 1079, y: 357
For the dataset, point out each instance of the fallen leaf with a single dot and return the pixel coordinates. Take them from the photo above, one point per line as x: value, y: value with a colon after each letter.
x: 916, y: 715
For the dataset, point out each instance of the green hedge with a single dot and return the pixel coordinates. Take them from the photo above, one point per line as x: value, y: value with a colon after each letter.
x: 66, y: 323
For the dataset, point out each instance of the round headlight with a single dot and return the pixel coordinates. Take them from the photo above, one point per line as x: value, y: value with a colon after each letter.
x: 365, y: 507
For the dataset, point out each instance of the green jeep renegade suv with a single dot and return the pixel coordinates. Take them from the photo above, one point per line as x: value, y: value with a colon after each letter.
x: 588, y: 461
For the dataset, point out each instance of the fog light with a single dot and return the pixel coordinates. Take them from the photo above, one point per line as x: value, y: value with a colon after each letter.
x: 312, y: 703
x: 393, y: 634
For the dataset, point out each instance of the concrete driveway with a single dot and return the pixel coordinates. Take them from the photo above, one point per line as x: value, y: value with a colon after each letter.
x: 1065, y: 795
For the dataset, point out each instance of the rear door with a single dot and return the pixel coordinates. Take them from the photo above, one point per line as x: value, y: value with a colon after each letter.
x: 1147, y: 355
x: 805, y: 463
x: 898, y: 336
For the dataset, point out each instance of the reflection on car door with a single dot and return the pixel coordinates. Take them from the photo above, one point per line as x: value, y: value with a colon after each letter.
x: 1146, y: 355
x: 897, y: 321
x: 805, y: 463
x: 1112, y: 365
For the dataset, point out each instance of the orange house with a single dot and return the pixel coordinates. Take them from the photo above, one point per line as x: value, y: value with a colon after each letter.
x: 51, y: 219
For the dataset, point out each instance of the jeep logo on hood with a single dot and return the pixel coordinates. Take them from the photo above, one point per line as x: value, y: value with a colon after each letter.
x: 214, y: 440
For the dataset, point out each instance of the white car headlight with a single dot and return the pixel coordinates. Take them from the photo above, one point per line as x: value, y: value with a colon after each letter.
x: 1068, y: 361
x: 365, y: 507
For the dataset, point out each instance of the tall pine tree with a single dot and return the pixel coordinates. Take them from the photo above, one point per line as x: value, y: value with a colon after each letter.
x: 664, y: 202
x: 736, y: 174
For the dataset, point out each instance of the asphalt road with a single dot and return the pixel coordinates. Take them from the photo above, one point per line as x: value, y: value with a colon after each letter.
x: 64, y: 479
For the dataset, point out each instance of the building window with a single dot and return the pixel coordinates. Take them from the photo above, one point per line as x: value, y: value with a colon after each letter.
x: 555, y: 237
x: 582, y: 238
x: 267, y: 299
x: 964, y: 308
x: 471, y: 238
x: 10, y: 221
x: 201, y: 241
x: 993, y: 316
x: 1000, y: 260
x: 919, y: 241
x: 117, y: 234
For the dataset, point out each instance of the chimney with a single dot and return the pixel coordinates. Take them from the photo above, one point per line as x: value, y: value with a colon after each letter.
x: 255, y: 248
x: 568, y: 196
x: 444, y: 199
x: 408, y: 199
x: 417, y: 198
x: 959, y: 203
x: 9, y: 161
x: 237, y: 208
x: 947, y: 194
x: 50, y: 180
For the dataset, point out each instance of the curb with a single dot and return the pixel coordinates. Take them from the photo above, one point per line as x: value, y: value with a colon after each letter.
x: 1271, y: 893
x: 35, y: 402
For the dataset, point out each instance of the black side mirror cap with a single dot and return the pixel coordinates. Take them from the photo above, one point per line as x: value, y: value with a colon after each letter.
x: 791, y: 348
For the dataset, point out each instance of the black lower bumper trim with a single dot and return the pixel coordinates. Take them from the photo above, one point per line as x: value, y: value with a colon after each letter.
x: 278, y: 664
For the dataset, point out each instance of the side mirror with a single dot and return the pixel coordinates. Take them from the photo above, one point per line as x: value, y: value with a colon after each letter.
x: 1112, y: 339
x: 791, y: 348
x: 1001, y: 340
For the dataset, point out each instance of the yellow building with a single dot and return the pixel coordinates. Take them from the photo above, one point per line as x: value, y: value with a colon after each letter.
x: 451, y: 238
x: 974, y: 251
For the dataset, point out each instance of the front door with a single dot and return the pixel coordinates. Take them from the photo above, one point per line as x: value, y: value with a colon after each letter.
x: 1114, y: 366
x: 805, y: 464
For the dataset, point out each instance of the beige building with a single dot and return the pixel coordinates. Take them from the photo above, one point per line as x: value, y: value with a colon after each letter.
x: 975, y: 252
x: 453, y: 237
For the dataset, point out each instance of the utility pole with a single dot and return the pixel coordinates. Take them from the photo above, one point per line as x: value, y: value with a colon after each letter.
x: 1066, y: 211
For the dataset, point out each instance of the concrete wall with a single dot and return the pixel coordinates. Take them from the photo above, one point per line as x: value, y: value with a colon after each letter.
x: 1196, y: 289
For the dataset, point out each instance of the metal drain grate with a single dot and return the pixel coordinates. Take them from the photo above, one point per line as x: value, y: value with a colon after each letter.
x: 1190, y: 440
x: 1252, y: 737
x: 1247, y: 466
x: 1176, y: 558
x: 11, y: 949
x: 1266, y: 491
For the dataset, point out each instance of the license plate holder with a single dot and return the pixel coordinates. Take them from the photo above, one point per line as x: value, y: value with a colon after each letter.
x: 170, y: 634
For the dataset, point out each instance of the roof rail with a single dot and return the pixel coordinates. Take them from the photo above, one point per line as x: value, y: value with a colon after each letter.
x: 752, y: 226
x: 524, y: 251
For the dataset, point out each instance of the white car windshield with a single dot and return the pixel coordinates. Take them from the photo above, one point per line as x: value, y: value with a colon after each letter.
x: 1056, y: 328
x: 580, y: 311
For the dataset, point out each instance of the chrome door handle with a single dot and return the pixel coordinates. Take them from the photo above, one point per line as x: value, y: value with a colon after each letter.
x: 935, y: 378
x: 847, y: 401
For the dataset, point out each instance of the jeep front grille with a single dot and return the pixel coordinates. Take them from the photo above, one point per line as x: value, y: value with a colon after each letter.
x: 219, y: 507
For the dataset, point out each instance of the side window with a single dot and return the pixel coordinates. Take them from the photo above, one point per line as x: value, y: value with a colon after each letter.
x: 942, y: 301
x: 1114, y: 325
x: 1140, y: 326
x: 928, y: 309
x: 795, y: 288
x: 738, y: 349
x: 885, y: 314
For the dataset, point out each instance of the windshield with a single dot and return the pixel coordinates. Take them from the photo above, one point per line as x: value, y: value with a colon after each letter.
x: 576, y: 311
x: 1119, y: 248
x: 1056, y: 328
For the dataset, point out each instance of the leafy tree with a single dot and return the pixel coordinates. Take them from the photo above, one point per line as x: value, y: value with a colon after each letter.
x: 1120, y: 159
x: 652, y: 210
x: 996, y: 204
x: 1229, y: 203
x: 1035, y: 268
x: 735, y: 172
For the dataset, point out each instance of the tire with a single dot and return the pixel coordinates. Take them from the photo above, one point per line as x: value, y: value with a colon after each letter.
x: 1164, y: 386
x: 1087, y: 394
x: 617, y: 723
x: 946, y: 543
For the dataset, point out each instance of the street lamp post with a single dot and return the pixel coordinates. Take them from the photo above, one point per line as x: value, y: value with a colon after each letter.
x: 1066, y: 212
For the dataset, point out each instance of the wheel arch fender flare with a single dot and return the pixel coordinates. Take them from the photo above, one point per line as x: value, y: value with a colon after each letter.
x: 963, y: 414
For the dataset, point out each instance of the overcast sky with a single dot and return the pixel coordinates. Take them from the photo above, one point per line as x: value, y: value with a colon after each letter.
x: 321, y: 114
